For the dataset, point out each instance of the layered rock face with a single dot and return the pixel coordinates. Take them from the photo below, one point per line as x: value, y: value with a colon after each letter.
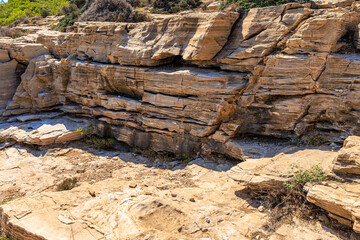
x: 195, y: 82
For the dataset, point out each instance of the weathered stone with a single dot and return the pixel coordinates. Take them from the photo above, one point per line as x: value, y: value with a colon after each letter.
x: 258, y: 34
x: 341, y: 199
x: 348, y: 161
x: 45, y: 131
x: 4, y: 55
x: 323, y: 32
x: 9, y: 80
x: 23, y: 52
x: 192, y: 36
x: 332, y: 3
x: 268, y: 173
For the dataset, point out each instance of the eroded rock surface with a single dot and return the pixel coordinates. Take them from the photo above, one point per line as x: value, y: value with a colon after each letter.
x: 122, y: 195
x: 294, y: 70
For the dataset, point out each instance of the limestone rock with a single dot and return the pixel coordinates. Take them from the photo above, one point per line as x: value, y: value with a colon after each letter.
x: 258, y: 34
x: 192, y: 36
x: 323, y: 32
x: 23, y: 52
x: 9, y: 81
x: 332, y: 3
x: 348, y: 161
x: 118, y: 211
x: 37, y: 90
x: 341, y: 199
x: 44, y: 132
x: 268, y: 173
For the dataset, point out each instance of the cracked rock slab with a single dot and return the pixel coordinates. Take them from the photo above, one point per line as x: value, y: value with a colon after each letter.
x: 44, y: 132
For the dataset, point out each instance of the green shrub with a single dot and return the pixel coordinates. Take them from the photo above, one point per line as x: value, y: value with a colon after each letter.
x: 87, y: 131
x: 174, y: 6
x: 314, y: 139
x: 2, y: 139
x: 3, y: 236
x: 17, y: 10
x: 300, y: 177
x: 108, y: 11
x: 100, y: 143
x: 6, y: 200
x: 186, y: 157
x: 246, y: 5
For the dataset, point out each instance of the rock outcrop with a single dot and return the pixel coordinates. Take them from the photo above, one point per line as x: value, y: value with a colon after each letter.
x: 194, y: 82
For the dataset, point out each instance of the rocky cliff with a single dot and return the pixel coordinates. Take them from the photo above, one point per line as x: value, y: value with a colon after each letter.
x: 194, y: 83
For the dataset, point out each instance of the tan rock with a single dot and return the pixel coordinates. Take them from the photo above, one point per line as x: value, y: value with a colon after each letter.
x: 342, y: 200
x: 258, y: 34
x: 44, y: 132
x: 348, y: 161
x: 23, y: 52
x: 322, y: 33
x: 333, y: 3
x: 4, y: 55
x: 119, y: 212
x: 37, y: 89
x: 192, y: 36
x: 9, y: 81
x: 267, y: 173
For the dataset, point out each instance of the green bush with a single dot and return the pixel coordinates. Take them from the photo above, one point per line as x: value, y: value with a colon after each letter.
x: 174, y: 6
x: 100, y: 143
x: 246, y: 5
x: 18, y: 10
x: 300, y: 177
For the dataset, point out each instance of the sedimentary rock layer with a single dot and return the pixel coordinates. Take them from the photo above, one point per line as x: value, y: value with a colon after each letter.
x: 286, y: 71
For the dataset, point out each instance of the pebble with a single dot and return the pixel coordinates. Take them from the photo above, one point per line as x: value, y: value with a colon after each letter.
x: 192, y: 199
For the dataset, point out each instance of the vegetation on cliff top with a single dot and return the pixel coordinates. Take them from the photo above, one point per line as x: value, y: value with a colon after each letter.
x: 15, y: 10
x: 111, y: 10
x: 246, y: 5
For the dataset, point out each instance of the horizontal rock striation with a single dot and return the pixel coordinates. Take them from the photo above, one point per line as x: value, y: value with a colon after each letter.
x: 194, y: 82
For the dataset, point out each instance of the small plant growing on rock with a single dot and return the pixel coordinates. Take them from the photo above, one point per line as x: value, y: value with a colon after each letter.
x: 3, y: 236
x: 300, y: 177
x: 2, y: 139
x: 314, y: 139
x: 5, y: 200
x: 101, y: 143
x: 186, y: 157
x: 67, y: 184
x: 85, y: 131
x: 290, y: 199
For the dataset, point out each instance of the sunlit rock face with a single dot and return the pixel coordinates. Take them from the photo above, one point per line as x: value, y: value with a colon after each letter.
x: 195, y: 82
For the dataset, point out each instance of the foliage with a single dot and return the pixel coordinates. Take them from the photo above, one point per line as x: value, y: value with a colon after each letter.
x: 6, y: 200
x: 314, y: 139
x: 17, y: 10
x: 67, y: 184
x: 86, y: 131
x: 108, y: 11
x: 174, y: 6
x: 290, y: 198
x: 301, y: 177
x: 2, y: 139
x: 186, y: 157
x: 246, y: 5
x: 100, y: 10
x: 3, y: 236
x: 72, y: 12
x: 101, y: 143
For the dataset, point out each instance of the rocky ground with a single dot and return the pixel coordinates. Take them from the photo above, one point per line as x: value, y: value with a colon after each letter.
x: 191, y: 85
x: 123, y: 195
